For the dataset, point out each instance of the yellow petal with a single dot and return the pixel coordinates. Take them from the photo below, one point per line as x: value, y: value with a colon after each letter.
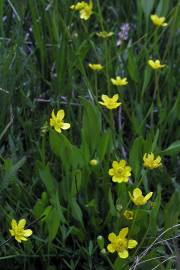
x: 22, y: 238
x: 12, y: 232
x: 158, y: 159
x: 123, y: 254
x: 27, y: 233
x: 119, y: 179
x: 60, y: 114
x: 102, y: 103
x: 145, y: 157
x: 22, y: 223
x: 123, y: 232
x: 52, y: 122
x: 148, y: 196
x: 115, y: 97
x: 128, y: 169
x: 110, y: 248
x: 112, y: 237
x: 113, y: 81
x: 137, y: 192
x: 131, y: 197
x: 18, y: 238
x: 53, y: 115
x: 132, y: 243
x: 151, y: 62
x: 111, y: 172
x: 65, y: 125
x: 104, y: 98
x: 122, y: 163
x: 115, y: 164
x: 14, y: 224
x: 58, y: 129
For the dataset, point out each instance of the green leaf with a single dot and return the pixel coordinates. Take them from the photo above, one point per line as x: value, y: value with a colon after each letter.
x: 76, y: 211
x: 147, y: 6
x: 53, y: 222
x: 69, y: 154
x: 147, y: 77
x: 154, y: 213
x: 154, y: 144
x: 163, y: 7
x: 132, y: 66
x: 104, y: 144
x: 55, y: 217
x: 112, y: 209
x: 136, y: 155
x: 173, y: 149
x: 40, y: 205
x: 91, y: 129
x: 171, y: 212
x: 76, y: 183
x: 46, y: 177
x: 120, y: 264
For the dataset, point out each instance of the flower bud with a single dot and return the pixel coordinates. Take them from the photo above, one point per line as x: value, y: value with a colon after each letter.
x: 93, y: 162
x: 103, y: 251
x: 100, y: 241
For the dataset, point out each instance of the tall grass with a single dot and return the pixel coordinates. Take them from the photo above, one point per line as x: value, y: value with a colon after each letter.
x: 45, y: 51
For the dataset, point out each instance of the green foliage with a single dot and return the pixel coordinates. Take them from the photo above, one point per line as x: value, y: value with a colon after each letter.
x: 47, y: 177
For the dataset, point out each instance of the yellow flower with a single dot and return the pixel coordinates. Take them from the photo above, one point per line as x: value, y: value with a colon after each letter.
x: 155, y: 64
x: 57, y: 121
x: 110, y: 103
x: 104, y: 34
x: 158, y: 21
x: 18, y: 230
x: 151, y: 162
x: 85, y: 9
x: 138, y: 198
x: 96, y: 66
x: 120, y: 243
x: 119, y: 81
x: 119, y: 171
x: 128, y: 214
x: 93, y: 162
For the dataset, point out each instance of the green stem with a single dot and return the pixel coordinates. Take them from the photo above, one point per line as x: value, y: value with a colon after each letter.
x: 109, y: 261
x: 96, y: 86
x: 156, y: 96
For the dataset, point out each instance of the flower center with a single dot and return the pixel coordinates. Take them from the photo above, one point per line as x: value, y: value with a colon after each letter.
x: 121, y: 245
x: 120, y: 170
x: 111, y: 102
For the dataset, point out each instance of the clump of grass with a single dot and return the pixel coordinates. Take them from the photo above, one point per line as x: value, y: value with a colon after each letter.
x: 93, y: 65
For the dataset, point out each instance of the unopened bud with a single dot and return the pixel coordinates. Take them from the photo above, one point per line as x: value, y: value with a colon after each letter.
x: 100, y: 241
x: 93, y: 162
x: 103, y: 251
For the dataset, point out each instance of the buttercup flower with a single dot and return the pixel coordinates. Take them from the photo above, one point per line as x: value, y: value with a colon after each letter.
x: 119, y: 81
x: 57, y: 121
x: 85, y: 9
x: 128, y: 214
x: 138, y: 198
x: 110, y: 103
x: 120, y: 243
x: 95, y: 66
x: 155, y: 64
x: 158, y: 21
x: 18, y: 230
x: 119, y: 171
x: 104, y: 34
x: 151, y: 162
